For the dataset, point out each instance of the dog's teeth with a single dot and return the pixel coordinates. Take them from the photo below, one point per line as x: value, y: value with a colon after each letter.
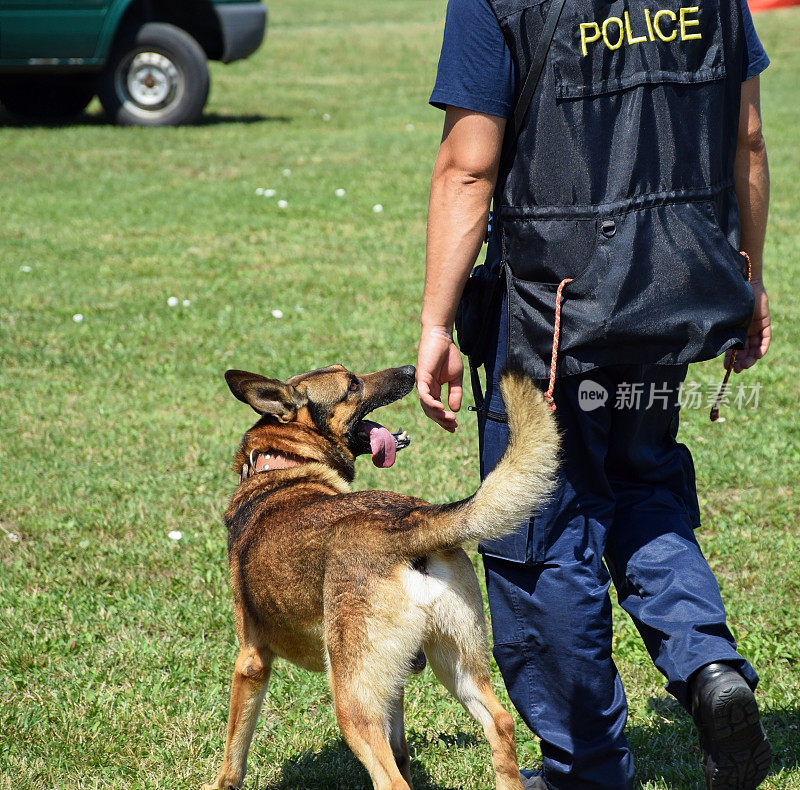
x: 267, y: 455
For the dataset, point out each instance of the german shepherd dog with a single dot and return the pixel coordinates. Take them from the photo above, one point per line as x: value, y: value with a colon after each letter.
x: 359, y: 583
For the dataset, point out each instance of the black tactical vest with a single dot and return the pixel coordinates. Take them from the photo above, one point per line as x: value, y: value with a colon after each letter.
x: 622, y: 179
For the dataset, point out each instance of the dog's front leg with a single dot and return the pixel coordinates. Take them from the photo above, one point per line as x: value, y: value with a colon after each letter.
x: 250, y: 678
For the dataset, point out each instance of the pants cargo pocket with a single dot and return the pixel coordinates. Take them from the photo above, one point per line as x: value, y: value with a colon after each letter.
x: 527, y: 543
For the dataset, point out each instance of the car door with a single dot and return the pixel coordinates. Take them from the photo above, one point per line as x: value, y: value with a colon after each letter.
x: 50, y: 31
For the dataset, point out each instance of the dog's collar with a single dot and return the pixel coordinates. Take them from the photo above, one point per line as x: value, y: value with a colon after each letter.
x: 266, y: 462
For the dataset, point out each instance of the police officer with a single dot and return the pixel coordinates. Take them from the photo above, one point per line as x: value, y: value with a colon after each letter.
x: 633, y: 176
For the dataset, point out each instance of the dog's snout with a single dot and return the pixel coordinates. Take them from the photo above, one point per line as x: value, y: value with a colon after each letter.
x: 408, y: 370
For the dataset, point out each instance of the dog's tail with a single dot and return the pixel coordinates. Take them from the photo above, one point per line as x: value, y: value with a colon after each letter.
x: 520, y: 482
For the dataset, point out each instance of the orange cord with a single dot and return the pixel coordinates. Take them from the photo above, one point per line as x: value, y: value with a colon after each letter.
x: 548, y: 396
x: 729, y: 367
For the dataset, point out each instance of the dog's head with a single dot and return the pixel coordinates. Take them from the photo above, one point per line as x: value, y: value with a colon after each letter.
x: 320, y: 415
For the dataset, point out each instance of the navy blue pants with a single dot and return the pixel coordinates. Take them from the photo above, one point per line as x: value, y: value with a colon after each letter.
x: 627, y: 494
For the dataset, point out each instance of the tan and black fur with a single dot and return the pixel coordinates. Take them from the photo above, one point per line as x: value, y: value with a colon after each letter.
x: 356, y: 583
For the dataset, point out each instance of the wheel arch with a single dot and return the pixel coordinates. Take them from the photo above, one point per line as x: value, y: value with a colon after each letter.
x: 197, y: 17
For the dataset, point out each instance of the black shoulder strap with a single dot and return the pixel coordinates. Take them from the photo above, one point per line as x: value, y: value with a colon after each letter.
x: 537, y: 64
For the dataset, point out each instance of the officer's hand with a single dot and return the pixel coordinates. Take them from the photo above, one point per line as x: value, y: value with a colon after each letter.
x: 438, y: 363
x: 758, y: 335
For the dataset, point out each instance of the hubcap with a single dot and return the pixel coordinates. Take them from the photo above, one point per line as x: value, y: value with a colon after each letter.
x: 150, y: 80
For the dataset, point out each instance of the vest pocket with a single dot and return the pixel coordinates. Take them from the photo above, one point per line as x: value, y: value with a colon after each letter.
x: 666, y: 287
x: 531, y: 321
x: 526, y: 544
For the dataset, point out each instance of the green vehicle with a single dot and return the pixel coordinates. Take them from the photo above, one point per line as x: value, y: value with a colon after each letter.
x: 147, y: 60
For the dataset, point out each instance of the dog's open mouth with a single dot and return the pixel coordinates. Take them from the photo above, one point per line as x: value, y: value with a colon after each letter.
x: 382, y: 445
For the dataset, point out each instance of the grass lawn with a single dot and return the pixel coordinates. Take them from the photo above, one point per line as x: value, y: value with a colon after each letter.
x: 116, y: 642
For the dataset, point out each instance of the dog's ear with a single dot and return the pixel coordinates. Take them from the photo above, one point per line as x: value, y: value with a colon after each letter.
x: 266, y: 396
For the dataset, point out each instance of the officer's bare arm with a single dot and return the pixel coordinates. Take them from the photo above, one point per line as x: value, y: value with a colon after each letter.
x: 461, y: 191
x: 751, y: 176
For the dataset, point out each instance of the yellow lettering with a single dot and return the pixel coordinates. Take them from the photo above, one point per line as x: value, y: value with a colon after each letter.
x: 608, y: 21
x: 631, y: 39
x: 689, y: 23
x: 585, y: 39
x: 649, y: 24
x: 681, y: 22
x: 657, y: 27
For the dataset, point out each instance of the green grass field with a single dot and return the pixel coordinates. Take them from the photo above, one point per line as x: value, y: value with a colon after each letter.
x: 116, y: 642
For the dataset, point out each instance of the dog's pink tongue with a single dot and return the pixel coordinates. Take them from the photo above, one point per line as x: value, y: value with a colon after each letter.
x: 382, y: 444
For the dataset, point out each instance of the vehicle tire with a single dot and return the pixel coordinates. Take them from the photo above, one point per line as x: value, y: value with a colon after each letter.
x: 156, y: 77
x: 46, y: 97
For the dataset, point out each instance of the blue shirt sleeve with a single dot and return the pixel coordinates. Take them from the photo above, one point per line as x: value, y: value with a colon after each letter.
x: 476, y: 70
x: 755, y: 58
x: 475, y: 66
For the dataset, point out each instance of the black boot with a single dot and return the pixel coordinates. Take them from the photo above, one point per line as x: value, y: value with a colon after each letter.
x: 736, y: 752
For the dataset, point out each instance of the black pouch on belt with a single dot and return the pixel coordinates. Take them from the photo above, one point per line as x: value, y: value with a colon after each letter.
x: 477, y: 311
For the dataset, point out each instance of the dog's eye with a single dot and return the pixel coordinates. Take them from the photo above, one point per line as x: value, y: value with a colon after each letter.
x: 354, y: 386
